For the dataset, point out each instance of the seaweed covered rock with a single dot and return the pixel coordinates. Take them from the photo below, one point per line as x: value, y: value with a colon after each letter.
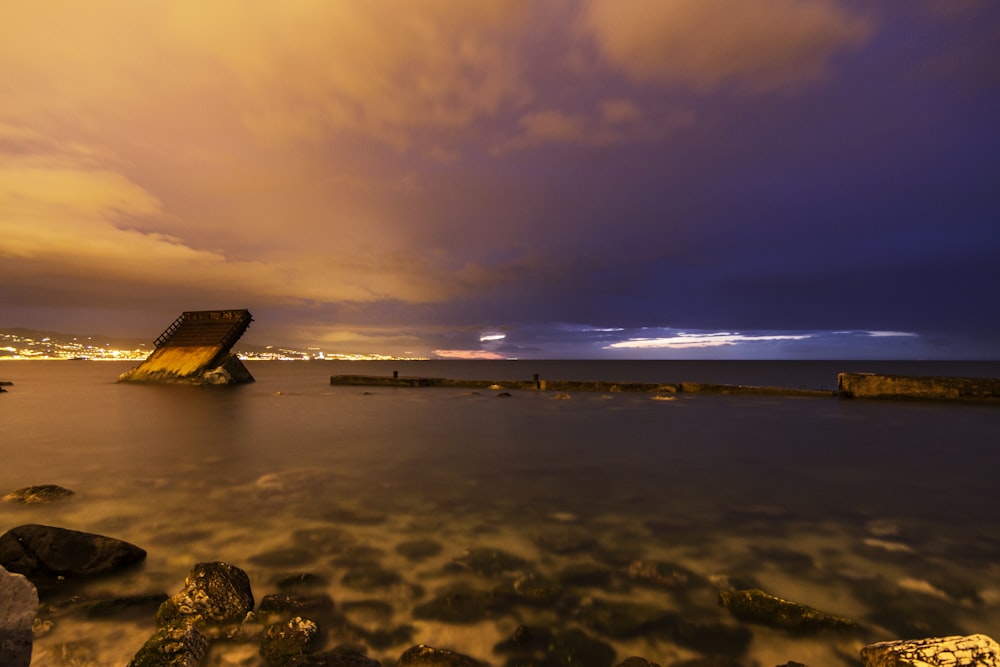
x: 17, y: 612
x: 756, y: 606
x: 213, y: 593
x: 172, y: 646
x: 47, y: 553
x: 42, y: 493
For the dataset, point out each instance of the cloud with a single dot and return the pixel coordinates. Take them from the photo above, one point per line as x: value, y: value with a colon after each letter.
x: 69, y: 223
x: 756, y: 45
x: 683, y: 341
x: 309, y: 69
x: 467, y: 354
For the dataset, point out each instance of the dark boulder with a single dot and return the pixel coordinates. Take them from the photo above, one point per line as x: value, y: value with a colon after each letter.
x: 46, y: 553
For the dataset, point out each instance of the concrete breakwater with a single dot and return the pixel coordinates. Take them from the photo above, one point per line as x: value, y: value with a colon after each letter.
x: 538, y: 384
x: 849, y: 385
x: 872, y: 385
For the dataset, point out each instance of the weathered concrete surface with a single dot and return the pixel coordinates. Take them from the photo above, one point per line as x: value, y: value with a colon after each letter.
x: 574, y: 385
x: 872, y: 385
x: 957, y: 651
x: 195, y: 349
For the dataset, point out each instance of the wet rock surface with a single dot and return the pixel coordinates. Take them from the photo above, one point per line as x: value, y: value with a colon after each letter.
x: 428, y: 656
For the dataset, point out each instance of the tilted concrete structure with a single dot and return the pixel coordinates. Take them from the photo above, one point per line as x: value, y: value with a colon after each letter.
x: 195, y: 349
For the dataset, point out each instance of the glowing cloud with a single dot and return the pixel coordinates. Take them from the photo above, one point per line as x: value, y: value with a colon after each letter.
x: 683, y: 341
x: 467, y: 354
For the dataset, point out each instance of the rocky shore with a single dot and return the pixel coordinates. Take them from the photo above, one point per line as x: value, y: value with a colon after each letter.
x: 216, y: 618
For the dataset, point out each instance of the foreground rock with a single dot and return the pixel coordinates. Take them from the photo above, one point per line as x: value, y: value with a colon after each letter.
x: 213, y: 594
x: 172, y: 646
x: 957, y: 651
x: 42, y: 493
x: 45, y: 554
x: 756, y: 606
x: 18, y: 606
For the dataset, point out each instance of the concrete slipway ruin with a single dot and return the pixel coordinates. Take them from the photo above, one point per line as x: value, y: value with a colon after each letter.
x: 196, y: 349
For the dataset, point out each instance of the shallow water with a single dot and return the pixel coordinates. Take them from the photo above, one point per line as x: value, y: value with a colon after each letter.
x: 883, y: 511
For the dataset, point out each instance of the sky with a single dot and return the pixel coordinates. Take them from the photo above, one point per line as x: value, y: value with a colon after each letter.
x: 635, y: 179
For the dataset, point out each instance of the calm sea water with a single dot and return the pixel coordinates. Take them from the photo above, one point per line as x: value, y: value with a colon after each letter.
x: 884, y: 511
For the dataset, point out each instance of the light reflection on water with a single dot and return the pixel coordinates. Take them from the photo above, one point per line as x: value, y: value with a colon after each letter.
x: 817, y: 500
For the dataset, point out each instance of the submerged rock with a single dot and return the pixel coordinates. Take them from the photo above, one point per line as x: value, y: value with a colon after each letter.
x: 540, y: 646
x: 623, y: 619
x: 338, y: 657
x: 488, y: 561
x: 663, y: 575
x: 458, y: 605
x: 756, y: 606
x: 712, y: 637
x: 48, y: 553
x: 17, y: 613
x: 577, y: 648
x: 42, y: 493
x: 957, y: 651
x: 419, y: 549
x: 428, y: 656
